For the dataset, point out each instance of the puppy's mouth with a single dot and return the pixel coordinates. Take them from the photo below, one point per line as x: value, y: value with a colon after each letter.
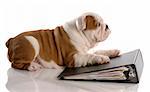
x: 104, y: 36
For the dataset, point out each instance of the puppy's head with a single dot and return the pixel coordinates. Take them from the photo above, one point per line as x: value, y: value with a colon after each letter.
x: 93, y: 27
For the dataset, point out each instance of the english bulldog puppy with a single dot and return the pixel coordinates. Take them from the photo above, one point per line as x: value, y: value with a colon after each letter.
x: 66, y: 45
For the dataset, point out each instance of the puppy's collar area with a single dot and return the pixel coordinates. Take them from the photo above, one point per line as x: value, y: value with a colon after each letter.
x: 91, y: 38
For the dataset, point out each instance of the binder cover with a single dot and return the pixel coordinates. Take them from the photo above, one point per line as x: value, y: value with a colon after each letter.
x: 126, y: 68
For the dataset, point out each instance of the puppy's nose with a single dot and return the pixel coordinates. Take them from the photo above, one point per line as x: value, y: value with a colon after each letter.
x: 107, y: 26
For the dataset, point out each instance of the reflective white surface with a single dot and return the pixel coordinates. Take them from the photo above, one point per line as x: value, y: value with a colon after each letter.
x: 45, y: 81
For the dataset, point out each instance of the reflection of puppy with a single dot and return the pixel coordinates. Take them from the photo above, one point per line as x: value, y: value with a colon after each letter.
x: 65, y: 45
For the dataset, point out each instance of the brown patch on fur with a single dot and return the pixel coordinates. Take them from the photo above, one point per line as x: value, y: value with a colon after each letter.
x: 90, y: 22
x: 54, y: 45
x: 65, y: 47
x: 20, y: 52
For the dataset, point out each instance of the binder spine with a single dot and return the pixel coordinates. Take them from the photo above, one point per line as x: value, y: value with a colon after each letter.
x: 139, y: 64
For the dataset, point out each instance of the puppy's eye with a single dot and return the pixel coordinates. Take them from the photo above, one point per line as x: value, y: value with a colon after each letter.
x: 98, y: 24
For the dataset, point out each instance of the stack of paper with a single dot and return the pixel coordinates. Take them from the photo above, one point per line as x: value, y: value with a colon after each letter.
x: 111, y: 74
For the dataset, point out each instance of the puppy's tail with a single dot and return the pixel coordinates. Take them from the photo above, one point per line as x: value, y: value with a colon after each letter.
x: 9, y: 42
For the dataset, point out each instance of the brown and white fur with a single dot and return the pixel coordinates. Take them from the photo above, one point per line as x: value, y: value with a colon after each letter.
x: 66, y: 45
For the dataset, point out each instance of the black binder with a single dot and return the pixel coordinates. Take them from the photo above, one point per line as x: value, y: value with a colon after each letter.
x: 126, y: 68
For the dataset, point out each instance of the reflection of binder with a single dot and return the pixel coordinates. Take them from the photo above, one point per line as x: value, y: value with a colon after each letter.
x: 125, y: 68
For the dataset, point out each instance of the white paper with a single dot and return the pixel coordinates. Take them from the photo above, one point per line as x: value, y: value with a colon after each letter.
x: 111, y: 74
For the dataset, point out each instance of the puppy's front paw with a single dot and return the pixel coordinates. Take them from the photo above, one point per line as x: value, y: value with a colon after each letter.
x: 103, y: 59
x: 114, y: 53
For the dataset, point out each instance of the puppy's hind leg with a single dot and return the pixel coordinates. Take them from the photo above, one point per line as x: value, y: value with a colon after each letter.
x: 22, y: 53
x: 35, y: 64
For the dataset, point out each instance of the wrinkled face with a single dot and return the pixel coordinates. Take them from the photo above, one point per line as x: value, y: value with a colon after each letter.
x: 95, y: 30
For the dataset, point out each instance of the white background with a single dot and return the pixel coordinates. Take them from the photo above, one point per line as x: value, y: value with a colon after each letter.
x: 129, y: 21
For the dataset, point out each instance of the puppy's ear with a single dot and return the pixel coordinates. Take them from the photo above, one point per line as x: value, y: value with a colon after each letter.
x: 90, y: 22
x: 87, y: 22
